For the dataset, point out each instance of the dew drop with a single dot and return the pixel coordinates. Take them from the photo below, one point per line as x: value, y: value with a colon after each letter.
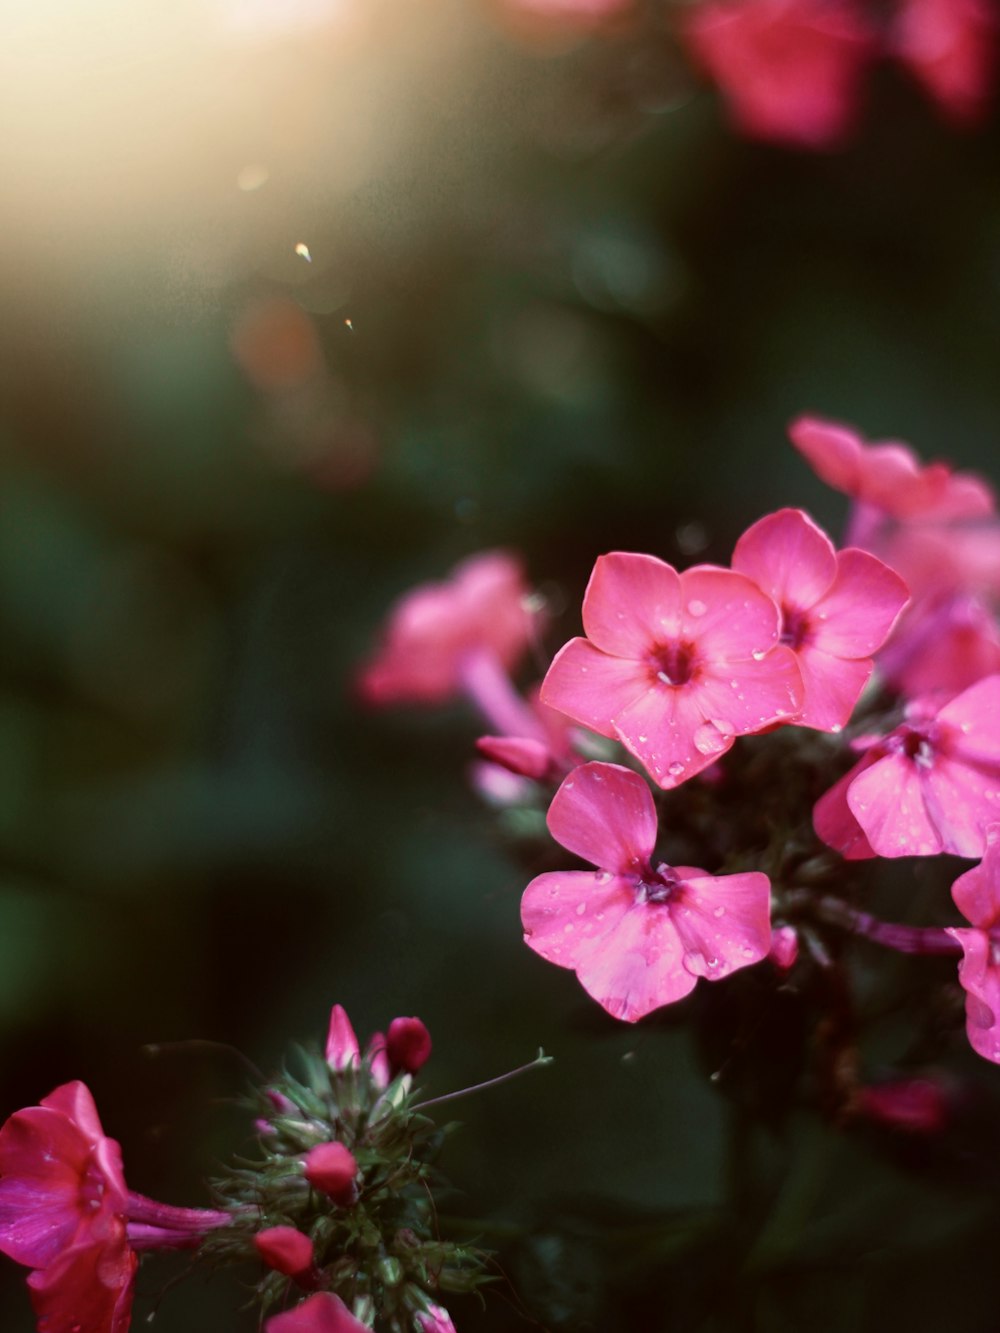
x: 642, y: 739
x: 581, y: 908
x: 675, y: 770
x: 719, y: 911
x: 696, y: 608
x: 759, y: 654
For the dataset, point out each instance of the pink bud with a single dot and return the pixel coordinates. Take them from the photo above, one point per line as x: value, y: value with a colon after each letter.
x: 378, y: 1061
x: 917, y: 1106
x: 331, y: 1167
x: 435, y: 1319
x: 784, y: 947
x: 522, y: 755
x: 285, y: 1249
x: 341, y: 1044
x: 322, y: 1313
x: 407, y: 1044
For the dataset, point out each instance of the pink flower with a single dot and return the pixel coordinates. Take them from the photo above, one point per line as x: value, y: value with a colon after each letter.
x: 285, y: 1249
x: 321, y: 1313
x: 342, y: 1048
x: 949, y: 46
x: 942, y: 647
x: 888, y: 476
x: 674, y: 665
x: 638, y: 937
x: 932, y: 785
x: 436, y: 629
x: 88, y: 1288
x: 435, y: 1319
x: 977, y: 897
x: 60, y: 1176
x: 789, y: 69
x: 837, y: 608
x: 407, y: 1044
x: 331, y: 1167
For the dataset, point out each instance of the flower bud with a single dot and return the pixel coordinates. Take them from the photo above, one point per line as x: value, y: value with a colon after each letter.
x: 331, y: 1167
x: 784, y: 947
x: 407, y: 1044
x: 378, y: 1062
x: 435, y: 1319
x: 342, y: 1048
x: 285, y: 1249
x: 526, y: 757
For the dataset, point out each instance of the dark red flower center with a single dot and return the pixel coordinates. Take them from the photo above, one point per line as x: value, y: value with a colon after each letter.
x: 917, y: 745
x: 656, y: 886
x: 674, y: 663
x: 796, y: 628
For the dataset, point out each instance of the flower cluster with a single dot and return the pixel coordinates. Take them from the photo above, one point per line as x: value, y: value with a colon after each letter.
x: 805, y: 709
x: 334, y: 1205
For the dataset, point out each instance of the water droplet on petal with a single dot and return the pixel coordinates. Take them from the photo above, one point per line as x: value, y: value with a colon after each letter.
x: 675, y: 770
x: 696, y: 608
x: 710, y: 738
x: 581, y: 908
x: 759, y: 654
x: 719, y: 911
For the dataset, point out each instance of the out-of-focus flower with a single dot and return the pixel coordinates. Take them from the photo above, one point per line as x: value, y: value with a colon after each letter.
x: 332, y: 1168
x: 950, y: 45
x: 788, y: 69
x: 944, y: 648
x: 837, y: 608
x: 439, y: 633
x: 977, y: 897
x: 321, y: 1313
x: 676, y: 666
x: 407, y: 1045
x: 888, y: 476
x: 932, y: 785
x: 914, y: 1105
x: 638, y: 937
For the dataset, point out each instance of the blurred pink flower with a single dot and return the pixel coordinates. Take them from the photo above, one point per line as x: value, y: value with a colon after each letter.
x: 932, y: 785
x: 945, y: 646
x: 977, y: 897
x: 789, y: 69
x: 321, y: 1313
x: 950, y: 45
x: 439, y: 633
x: 837, y: 608
x: 638, y: 937
x: 674, y: 665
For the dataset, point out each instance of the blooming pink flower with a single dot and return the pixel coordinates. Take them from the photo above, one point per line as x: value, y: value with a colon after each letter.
x: 888, y: 476
x: 407, y: 1044
x: 789, y: 69
x: 950, y: 47
x: 837, y: 608
x: 321, y: 1313
x: 637, y: 936
x: 932, y: 785
x: 434, y: 631
x: 674, y: 665
x: 977, y: 897
x: 435, y: 1319
x: 285, y: 1249
x: 331, y: 1167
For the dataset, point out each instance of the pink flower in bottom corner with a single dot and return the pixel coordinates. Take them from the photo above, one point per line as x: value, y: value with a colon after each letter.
x: 977, y: 897
x: 789, y: 69
x: 89, y: 1287
x: 675, y: 666
x: 837, y: 608
x: 950, y: 45
x: 638, y: 936
x: 435, y: 1319
x: 321, y: 1313
x: 932, y: 785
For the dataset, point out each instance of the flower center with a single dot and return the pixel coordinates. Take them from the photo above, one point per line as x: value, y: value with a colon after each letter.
x: 656, y: 886
x: 674, y: 663
x: 918, y: 746
x: 795, y: 627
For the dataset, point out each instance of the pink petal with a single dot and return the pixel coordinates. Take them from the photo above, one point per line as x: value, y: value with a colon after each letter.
x: 88, y: 1288
x: 564, y: 910
x: 724, y: 922
x: 832, y: 688
x: 831, y: 449
x: 887, y: 800
x: 974, y: 722
x: 751, y: 695
x: 342, y: 1047
x: 43, y: 1161
x: 637, y: 965
x: 980, y: 977
x: 977, y: 892
x: 631, y: 601
x: 321, y: 1313
x: 75, y: 1102
x: 857, y: 614
x: 949, y: 46
x: 592, y: 687
x: 522, y: 755
x: 789, y: 557
x: 726, y: 614
x: 962, y: 801
x: 605, y: 814
x: 834, y: 820
x: 667, y: 730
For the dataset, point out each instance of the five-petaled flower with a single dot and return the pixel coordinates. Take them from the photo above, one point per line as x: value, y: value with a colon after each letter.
x: 675, y: 666
x: 638, y: 935
x: 977, y: 897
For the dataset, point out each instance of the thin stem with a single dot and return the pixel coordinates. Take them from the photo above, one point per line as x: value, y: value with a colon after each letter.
x: 540, y: 1059
x: 193, y: 1221
x: 890, y: 934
